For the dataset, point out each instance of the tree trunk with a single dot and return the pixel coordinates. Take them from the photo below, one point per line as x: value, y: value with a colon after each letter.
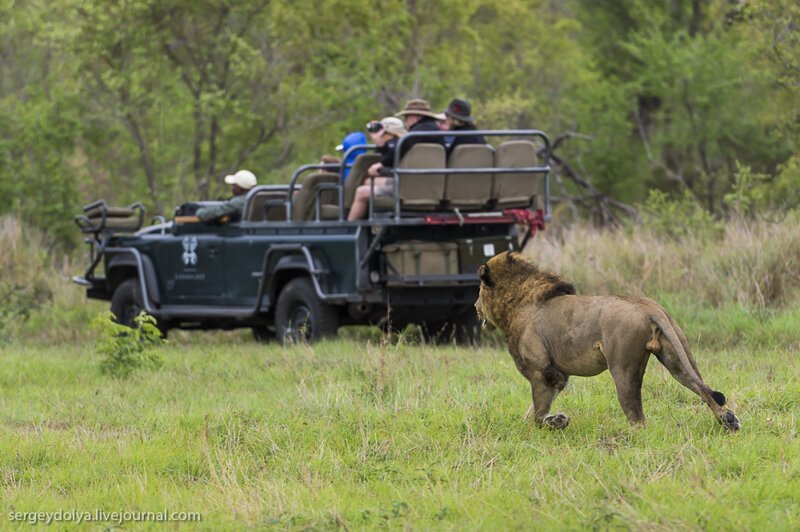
x: 200, y: 182
x: 146, y: 160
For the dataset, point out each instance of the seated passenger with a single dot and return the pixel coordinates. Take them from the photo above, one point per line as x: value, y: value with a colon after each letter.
x: 385, y: 140
x: 459, y: 118
x: 444, y: 125
x: 417, y: 116
x: 329, y: 159
x: 242, y: 181
x: 352, y: 139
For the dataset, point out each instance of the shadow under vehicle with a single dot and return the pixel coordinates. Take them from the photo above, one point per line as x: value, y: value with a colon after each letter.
x: 293, y: 267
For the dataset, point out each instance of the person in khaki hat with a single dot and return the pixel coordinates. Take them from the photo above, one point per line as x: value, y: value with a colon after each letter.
x: 385, y: 138
x: 418, y: 116
x: 241, y: 182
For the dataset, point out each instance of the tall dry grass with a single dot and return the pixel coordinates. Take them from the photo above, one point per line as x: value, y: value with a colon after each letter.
x: 754, y: 265
x: 37, y: 299
x: 746, y: 263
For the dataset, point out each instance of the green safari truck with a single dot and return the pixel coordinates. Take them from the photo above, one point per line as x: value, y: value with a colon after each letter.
x: 294, y: 268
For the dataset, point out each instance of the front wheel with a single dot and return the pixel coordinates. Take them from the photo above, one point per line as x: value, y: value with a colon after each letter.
x: 301, y: 316
x: 126, y: 305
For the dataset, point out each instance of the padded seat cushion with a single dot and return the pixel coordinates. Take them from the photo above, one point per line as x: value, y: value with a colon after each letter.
x: 469, y: 191
x: 111, y: 212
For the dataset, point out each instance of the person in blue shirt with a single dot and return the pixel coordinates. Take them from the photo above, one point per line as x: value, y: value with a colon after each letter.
x: 350, y: 140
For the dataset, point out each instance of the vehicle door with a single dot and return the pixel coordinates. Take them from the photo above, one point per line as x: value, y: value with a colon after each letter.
x: 244, y: 261
x: 195, y: 258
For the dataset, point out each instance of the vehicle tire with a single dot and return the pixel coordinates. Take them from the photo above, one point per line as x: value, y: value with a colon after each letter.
x: 301, y: 316
x: 126, y: 304
x: 263, y: 334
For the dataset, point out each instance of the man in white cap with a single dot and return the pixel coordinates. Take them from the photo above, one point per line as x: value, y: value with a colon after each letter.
x: 241, y: 182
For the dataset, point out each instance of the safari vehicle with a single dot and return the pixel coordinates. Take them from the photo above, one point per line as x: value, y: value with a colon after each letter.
x: 294, y: 267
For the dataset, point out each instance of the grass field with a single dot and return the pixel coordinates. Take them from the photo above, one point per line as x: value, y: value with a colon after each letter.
x: 361, y: 433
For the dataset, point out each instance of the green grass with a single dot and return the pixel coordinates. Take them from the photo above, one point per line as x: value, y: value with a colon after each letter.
x: 359, y: 434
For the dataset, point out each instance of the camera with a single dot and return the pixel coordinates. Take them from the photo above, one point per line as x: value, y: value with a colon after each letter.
x: 374, y: 126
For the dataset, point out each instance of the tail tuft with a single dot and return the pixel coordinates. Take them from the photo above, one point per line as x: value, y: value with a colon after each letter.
x: 718, y: 398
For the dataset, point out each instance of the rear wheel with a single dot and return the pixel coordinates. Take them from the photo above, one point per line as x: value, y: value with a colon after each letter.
x: 464, y: 329
x: 301, y: 316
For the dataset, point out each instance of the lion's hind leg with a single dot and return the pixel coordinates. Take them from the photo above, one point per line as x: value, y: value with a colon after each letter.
x: 628, y: 376
x: 687, y: 374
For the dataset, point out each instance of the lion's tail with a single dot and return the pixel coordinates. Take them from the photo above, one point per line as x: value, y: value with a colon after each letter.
x: 687, y: 372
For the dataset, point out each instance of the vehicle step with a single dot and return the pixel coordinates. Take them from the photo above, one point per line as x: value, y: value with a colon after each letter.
x: 192, y: 311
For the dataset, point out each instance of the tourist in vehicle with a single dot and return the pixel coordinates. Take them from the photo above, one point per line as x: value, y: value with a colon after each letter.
x: 385, y: 139
x: 241, y: 182
x: 444, y: 125
x: 329, y: 159
x: 458, y: 117
x: 351, y: 139
x: 418, y: 116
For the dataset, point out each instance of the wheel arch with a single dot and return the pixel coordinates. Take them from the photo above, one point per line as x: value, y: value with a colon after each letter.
x: 290, y: 266
x: 124, y: 266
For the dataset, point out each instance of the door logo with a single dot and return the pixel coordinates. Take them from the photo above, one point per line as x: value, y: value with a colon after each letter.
x: 189, y: 248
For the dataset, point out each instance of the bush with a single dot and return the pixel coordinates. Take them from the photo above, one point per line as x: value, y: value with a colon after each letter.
x: 126, y: 349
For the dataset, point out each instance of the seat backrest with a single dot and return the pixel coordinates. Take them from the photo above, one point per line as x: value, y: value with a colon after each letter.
x: 304, y: 201
x: 423, y: 192
x: 255, y: 209
x: 516, y: 190
x: 469, y: 191
x: 357, y: 175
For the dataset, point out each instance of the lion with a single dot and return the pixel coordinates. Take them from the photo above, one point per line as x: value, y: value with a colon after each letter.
x: 553, y: 333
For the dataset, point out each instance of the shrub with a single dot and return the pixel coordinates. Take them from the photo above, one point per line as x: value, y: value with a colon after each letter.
x: 126, y: 349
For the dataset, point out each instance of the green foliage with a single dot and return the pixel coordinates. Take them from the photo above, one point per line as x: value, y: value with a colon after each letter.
x: 156, y: 101
x: 128, y: 349
x: 674, y: 218
x: 748, y: 192
x: 18, y: 302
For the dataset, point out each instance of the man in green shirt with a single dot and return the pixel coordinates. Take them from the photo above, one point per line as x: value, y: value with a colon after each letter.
x: 242, y: 181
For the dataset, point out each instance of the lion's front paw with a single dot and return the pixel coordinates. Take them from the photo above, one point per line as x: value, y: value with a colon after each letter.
x: 556, y: 421
x: 730, y: 421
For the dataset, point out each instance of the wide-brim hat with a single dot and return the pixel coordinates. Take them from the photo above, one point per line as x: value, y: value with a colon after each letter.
x: 243, y: 178
x: 417, y: 107
x: 460, y: 110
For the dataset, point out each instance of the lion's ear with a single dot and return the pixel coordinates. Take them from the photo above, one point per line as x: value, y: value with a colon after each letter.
x: 483, y: 273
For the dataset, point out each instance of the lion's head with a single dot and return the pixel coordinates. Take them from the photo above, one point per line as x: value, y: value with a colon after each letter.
x: 509, y: 280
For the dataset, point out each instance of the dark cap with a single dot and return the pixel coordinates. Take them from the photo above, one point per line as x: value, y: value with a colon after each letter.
x: 460, y: 110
